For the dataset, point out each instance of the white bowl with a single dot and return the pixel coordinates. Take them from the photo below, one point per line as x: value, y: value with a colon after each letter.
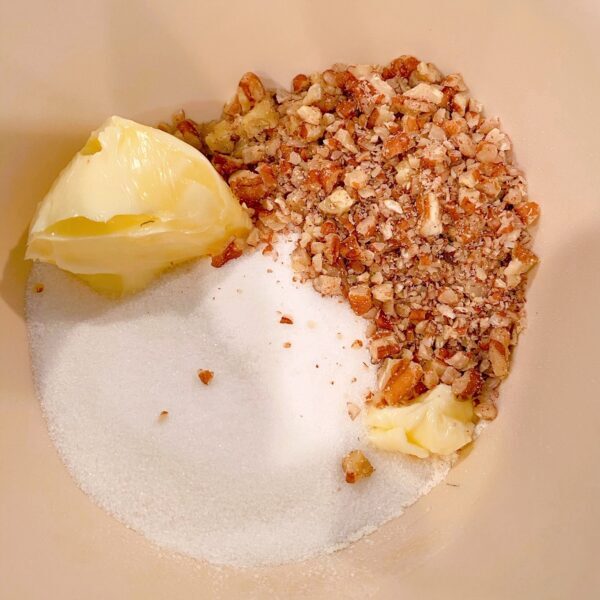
x: 523, y: 518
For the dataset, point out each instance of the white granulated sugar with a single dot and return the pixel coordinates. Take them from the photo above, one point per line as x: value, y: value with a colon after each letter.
x: 246, y: 470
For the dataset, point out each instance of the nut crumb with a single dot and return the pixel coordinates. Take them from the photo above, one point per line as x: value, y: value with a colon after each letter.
x: 205, y: 376
x: 230, y: 253
x: 353, y: 410
x: 286, y: 320
x: 287, y: 344
x: 38, y: 288
x: 356, y: 466
x: 163, y: 415
x: 357, y: 344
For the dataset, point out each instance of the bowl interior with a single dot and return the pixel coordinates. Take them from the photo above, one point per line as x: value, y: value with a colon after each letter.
x: 521, y: 515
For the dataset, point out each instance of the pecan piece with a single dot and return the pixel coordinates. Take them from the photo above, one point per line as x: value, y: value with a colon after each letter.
x: 528, y: 212
x: 249, y: 187
x: 468, y: 385
x: 360, y: 299
x: 231, y: 252
x: 205, y: 376
x: 300, y: 83
x: 382, y: 347
x: 327, y: 285
x: 402, y: 66
x: 226, y: 165
x: 402, y: 385
x: 356, y: 466
x: 396, y: 144
x: 498, y: 351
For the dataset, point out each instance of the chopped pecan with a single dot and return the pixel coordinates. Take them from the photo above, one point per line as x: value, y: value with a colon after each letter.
x: 356, y: 466
x: 402, y: 66
x: 383, y: 347
x: 396, y: 144
x: 402, y: 385
x: 353, y: 410
x: 468, y: 385
x: 252, y: 88
x: 231, y: 252
x: 328, y: 285
x: 249, y: 187
x: 383, y: 321
x: 205, y: 376
x: 528, y: 212
x: 225, y: 164
x: 300, y: 83
x: 360, y: 299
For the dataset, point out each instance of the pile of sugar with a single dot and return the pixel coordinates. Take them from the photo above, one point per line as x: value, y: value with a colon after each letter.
x: 245, y: 471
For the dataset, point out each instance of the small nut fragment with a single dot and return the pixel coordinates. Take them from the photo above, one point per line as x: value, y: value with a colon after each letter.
x: 431, y: 218
x: 448, y: 296
x: 300, y: 83
x: 252, y: 88
x: 486, y: 410
x: 426, y: 93
x: 38, y: 288
x: 286, y: 320
x: 396, y: 144
x: 310, y: 133
x: 383, y: 292
x: 356, y: 466
x: 328, y: 285
x: 498, y: 351
x: 353, y: 410
x: 314, y: 94
x: 459, y: 102
x: 230, y: 253
x: 356, y: 179
x: 345, y: 139
x: 226, y: 165
x: 205, y: 376
x: 465, y: 144
x: 523, y: 260
x: 360, y: 299
x: 459, y: 360
x: 249, y: 187
x: 487, y: 153
x: 309, y: 114
x: 528, y: 212
x: 469, y: 178
x: 449, y: 375
x: 403, y: 172
x: 429, y: 72
x: 337, y: 203
x: 383, y: 347
x: 401, y: 386
x: 468, y: 385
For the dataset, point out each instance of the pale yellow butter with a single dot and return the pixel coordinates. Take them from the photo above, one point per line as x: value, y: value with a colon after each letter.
x: 134, y: 201
x: 436, y: 423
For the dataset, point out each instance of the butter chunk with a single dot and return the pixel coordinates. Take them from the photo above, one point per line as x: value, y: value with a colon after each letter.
x: 133, y: 202
x: 436, y: 423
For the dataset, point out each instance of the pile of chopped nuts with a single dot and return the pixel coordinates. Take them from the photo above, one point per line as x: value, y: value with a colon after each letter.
x: 406, y: 202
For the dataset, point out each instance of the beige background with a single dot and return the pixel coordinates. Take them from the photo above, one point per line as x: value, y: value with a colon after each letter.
x: 524, y: 521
